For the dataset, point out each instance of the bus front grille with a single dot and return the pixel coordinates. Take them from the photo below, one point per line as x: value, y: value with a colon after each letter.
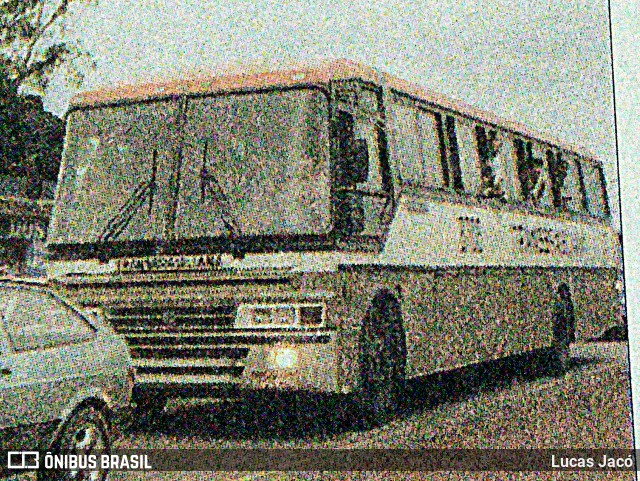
x: 180, y: 344
x: 173, y: 352
x: 191, y: 370
x: 180, y: 319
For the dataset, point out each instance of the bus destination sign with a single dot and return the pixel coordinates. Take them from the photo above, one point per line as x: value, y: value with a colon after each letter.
x: 203, y: 262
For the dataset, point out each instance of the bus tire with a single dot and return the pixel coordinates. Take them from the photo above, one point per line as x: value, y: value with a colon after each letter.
x: 382, y: 362
x: 563, y: 330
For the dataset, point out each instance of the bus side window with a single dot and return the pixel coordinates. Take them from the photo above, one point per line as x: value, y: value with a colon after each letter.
x: 572, y: 190
x: 449, y: 153
x: 488, y: 146
x: 532, y: 174
x: 469, y: 161
x: 602, y: 187
x: 364, y: 166
x: 595, y: 189
x: 428, y: 135
x: 416, y: 146
x: 523, y: 167
x: 351, y: 165
x: 406, y: 139
x: 558, y: 170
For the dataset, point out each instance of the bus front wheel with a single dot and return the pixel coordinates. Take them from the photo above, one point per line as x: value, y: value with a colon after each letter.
x: 382, y: 362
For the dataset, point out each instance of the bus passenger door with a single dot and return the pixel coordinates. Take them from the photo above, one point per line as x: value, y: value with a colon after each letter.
x: 361, y: 181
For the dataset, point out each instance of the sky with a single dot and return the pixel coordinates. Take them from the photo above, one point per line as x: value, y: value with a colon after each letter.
x: 546, y: 63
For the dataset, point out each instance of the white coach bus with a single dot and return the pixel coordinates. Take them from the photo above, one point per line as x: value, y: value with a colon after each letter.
x: 327, y: 229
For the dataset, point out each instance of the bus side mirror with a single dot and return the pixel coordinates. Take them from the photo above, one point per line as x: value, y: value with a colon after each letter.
x: 359, y: 168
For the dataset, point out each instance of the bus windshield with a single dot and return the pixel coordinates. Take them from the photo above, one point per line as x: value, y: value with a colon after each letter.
x: 240, y: 164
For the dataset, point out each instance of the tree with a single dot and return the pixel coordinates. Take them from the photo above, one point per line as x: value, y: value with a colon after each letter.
x: 33, y: 45
x: 32, y: 49
x: 31, y: 142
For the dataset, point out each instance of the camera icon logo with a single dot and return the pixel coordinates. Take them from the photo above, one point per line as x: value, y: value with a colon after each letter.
x: 23, y: 459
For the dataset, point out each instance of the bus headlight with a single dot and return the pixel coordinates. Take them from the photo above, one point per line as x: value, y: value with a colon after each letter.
x: 285, y: 358
x: 266, y: 316
x: 280, y: 315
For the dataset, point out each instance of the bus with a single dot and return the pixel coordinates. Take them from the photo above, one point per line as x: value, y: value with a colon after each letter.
x: 328, y: 229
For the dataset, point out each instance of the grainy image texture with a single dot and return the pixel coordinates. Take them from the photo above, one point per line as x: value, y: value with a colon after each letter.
x: 311, y: 252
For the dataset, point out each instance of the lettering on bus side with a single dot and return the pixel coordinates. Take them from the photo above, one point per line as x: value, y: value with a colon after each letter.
x: 542, y: 240
x: 470, y: 235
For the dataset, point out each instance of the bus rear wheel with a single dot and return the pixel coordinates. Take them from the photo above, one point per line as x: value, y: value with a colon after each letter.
x: 382, y: 362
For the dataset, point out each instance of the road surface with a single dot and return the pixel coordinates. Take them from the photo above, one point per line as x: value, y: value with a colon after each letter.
x: 491, y: 406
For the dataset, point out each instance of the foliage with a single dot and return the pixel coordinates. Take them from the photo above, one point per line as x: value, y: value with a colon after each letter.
x: 33, y: 45
x: 31, y: 141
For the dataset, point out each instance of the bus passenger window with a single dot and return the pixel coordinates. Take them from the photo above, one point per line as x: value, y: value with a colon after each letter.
x: 491, y: 186
x: 454, y: 156
x: 572, y: 190
x: 361, y: 187
x: 531, y: 174
x: 345, y: 135
x: 595, y: 189
x: 357, y: 161
x: 416, y: 145
x: 558, y: 169
x: 602, y: 190
x: 366, y: 158
x: 348, y: 208
x: 449, y: 153
x: 407, y: 151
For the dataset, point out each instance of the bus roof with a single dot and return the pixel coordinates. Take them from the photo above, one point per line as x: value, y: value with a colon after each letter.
x: 320, y: 73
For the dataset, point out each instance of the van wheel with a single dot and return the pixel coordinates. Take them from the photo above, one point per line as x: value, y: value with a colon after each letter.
x: 382, y: 362
x: 86, y: 432
x: 563, y: 330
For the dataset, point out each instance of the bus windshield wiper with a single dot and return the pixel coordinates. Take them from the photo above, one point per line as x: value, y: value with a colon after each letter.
x: 209, y: 184
x: 143, y: 192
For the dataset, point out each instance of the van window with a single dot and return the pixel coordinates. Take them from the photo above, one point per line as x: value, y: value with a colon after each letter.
x: 35, y: 319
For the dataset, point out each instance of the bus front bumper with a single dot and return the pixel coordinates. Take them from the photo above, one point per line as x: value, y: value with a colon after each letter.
x: 284, y: 361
